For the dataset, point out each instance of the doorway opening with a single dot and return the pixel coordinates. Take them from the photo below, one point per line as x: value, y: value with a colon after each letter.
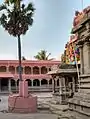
x: 4, y: 84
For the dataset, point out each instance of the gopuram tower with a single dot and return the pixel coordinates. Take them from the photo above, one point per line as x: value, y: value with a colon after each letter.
x: 80, y: 103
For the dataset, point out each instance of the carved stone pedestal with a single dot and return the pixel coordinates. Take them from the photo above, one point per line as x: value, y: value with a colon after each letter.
x: 22, y: 102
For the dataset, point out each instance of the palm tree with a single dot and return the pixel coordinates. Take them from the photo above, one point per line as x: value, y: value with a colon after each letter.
x: 16, y: 19
x: 42, y: 55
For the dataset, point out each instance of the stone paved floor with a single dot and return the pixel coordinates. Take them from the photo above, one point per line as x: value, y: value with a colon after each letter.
x: 4, y: 106
x: 27, y: 116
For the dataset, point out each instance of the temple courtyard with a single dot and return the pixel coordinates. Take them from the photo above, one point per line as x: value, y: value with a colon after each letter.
x: 42, y: 99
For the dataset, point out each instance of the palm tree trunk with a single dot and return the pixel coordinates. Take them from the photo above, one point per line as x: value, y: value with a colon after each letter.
x: 19, y: 57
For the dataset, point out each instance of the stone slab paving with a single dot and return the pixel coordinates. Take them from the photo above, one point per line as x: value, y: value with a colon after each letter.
x: 27, y: 116
x: 39, y: 115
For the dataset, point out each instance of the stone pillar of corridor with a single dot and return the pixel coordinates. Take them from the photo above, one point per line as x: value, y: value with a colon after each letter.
x: 39, y: 70
x: 40, y: 81
x: 31, y: 70
x: 54, y: 84
x: 73, y: 81
x: 61, y: 85
x: 9, y: 85
x: 31, y: 82
x: 16, y: 86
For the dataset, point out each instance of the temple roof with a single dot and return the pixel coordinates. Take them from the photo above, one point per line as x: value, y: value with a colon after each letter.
x: 63, y: 69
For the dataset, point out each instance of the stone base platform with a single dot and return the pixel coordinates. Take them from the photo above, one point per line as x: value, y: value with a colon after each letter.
x: 59, y: 98
x: 80, y: 104
x: 19, y: 104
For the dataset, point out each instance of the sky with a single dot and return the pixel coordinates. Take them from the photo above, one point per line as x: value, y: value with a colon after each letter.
x: 50, y: 30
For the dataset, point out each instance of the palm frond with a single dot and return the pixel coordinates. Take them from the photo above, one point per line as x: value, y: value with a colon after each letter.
x: 37, y: 57
x: 48, y: 55
x: 3, y: 19
x: 42, y: 55
x: 3, y: 7
x: 30, y: 7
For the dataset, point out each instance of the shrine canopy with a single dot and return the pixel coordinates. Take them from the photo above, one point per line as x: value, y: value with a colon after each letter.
x: 64, y: 69
x: 80, y: 15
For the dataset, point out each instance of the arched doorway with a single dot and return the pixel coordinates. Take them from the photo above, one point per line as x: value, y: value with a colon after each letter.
x: 35, y: 70
x: 27, y: 70
x: 12, y: 82
x: 44, y: 82
x: 12, y: 69
x: 4, y: 84
x: 3, y: 69
x: 13, y: 85
x: 29, y: 82
x: 43, y: 70
x: 36, y: 82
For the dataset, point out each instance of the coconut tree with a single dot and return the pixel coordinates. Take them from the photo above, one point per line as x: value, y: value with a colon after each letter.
x: 16, y: 18
x: 42, y: 55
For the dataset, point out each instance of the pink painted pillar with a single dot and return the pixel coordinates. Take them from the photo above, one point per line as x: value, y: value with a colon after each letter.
x: 23, y: 88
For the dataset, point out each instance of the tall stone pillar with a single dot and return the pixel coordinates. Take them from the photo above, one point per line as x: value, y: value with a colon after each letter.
x: 81, y: 59
x: 40, y: 82
x: 16, y: 85
x: 39, y: 70
x: 31, y: 82
x: 73, y: 80
x: 60, y: 85
x: 86, y: 53
x: 31, y: 70
x: 53, y: 84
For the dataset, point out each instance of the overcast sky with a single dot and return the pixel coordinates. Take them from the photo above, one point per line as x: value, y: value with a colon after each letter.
x: 50, y: 30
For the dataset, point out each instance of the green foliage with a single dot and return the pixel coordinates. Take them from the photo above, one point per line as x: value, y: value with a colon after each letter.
x: 16, y: 21
x: 42, y: 55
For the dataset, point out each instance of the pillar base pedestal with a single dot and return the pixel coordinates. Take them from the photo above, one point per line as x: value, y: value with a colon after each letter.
x: 18, y: 104
x: 22, y: 102
x: 59, y: 98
